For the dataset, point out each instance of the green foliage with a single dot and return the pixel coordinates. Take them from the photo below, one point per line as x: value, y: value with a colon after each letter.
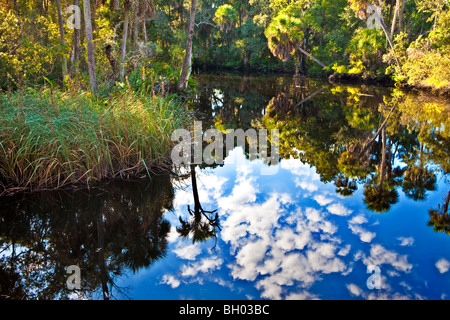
x: 284, y: 33
x: 28, y: 48
x: 226, y: 17
x: 365, y: 51
x: 253, y: 34
x: 426, y: 61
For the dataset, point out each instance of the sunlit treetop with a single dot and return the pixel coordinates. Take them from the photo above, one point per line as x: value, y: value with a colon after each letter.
x: 226, y: 17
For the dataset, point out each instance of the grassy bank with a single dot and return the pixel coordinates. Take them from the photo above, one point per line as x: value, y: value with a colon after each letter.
x: 51, y: 138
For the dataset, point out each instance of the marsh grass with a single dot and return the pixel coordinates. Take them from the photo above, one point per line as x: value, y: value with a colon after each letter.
x: 51, y: 138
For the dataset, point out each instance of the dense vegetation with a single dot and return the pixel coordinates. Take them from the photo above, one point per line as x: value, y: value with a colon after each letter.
x: 38, y: 40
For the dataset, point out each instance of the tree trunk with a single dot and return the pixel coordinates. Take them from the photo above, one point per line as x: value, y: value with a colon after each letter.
x: 197, y: 204
x: 112, y: 62
x: 369, y: 144
x: 400, y: 16
x: 310, y: 56
x: 101, y: 253
x: 114, y: 5
x: 136, y: 30
x: 89, y: 45
x: 75, y: 54
x: 144, y: 30
x: 383, y: 26
x: 394, y: 20
x: 383, y: 158
x: 186, y: 68
x: 303, y: 62
x: 123, y: 50
x: 308, y: 97
x: 61, y: 32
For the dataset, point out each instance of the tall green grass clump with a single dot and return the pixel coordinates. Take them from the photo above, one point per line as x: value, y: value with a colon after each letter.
x: 51, y: 138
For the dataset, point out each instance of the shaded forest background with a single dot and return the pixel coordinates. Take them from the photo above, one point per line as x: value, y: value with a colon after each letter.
x: 147, y: 39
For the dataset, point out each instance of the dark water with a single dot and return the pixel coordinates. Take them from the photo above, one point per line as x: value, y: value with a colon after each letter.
x: 355, y: 209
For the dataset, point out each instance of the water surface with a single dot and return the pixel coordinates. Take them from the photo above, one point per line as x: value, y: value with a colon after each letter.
x: 344, y: 216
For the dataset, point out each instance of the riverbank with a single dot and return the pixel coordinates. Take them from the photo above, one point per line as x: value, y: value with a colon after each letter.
x: 51, y: 138
x: 443, y: 91
x: 352, y: 78
x: 349, y: 78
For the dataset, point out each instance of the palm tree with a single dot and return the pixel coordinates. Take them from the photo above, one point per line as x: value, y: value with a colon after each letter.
x: 379, y: 200
x: 200, y: 225
x: 344, y: 186
x: 381, y: 197
x: 417, y: 181
x: 361, y: 7
x: 439, y: 218
x: 286, y: 35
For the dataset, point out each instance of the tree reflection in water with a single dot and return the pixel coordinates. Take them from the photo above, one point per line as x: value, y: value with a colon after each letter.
x: 376, y: 138
x: 202, y: 224
x: 439, y: 218
x: 103, y: 231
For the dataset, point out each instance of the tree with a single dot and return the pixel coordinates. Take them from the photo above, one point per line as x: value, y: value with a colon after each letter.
x: 400, y: 16
x: 75, y: 53
x: 381, y: 197
x: 418, y: 178
x: 89, y: 45
x: 363, y: 10
x: 104, y: 278
x: 123, y: 50
x: 379, y: 200
x: 439, y: 218
x: 61, y: 31
x: 145, y: 11
x: 120, y: 229
x: 226, y: 17
x: 287, y: 32
x: 394, y: 19
x: 417, y: 181
x: 344, y: 186
x: 187, y: 62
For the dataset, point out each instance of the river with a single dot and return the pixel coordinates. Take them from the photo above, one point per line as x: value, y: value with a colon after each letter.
x: 353, y: 209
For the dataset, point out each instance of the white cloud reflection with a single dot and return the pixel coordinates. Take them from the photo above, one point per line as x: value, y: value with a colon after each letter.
x: 278, y: 242
x: 355, y: 226
x: 189, y: 252
x: 442, y: 265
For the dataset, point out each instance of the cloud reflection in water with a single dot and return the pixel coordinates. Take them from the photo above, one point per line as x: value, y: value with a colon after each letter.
x: 289, y: 236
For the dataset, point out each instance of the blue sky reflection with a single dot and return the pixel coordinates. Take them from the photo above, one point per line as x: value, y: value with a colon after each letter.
x: 290, y: 236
